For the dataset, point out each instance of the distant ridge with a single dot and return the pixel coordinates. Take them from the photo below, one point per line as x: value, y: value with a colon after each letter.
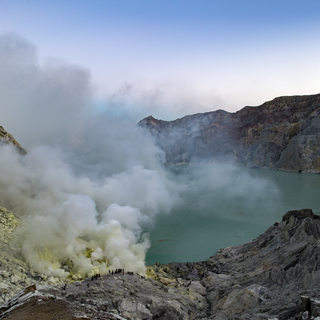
x: 281, y: 134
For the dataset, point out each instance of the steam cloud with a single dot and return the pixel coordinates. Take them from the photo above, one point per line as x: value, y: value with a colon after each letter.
x: 90, y: 186
x: 66, y: 213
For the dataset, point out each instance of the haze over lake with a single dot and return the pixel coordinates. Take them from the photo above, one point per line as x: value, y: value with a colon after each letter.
x: 225, y: 206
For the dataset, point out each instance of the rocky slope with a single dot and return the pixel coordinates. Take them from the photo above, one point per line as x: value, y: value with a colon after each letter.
x: 7, y: 138
x: 15, y: 273
x: 275, y: 276
x: 282, y: 134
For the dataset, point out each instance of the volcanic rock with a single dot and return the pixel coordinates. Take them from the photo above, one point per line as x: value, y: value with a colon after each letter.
x: 15, y: 273
x: 275, y: 276
x: 282, y: 134
x: 7, y: 138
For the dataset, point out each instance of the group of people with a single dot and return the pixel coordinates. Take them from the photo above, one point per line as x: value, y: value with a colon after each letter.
x: 121, y: 271
x: 118, y: 271
x: 95, y: 277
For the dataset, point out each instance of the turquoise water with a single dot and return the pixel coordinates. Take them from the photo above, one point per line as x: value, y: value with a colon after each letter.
x: 224, y: 206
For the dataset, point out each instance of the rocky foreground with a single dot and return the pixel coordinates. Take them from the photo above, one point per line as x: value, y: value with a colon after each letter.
x: 276, y: 276
x: 282, y: 134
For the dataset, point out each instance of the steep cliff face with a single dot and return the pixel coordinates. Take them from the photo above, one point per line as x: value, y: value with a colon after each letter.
x: 7, y: 138
x: 282, y: 134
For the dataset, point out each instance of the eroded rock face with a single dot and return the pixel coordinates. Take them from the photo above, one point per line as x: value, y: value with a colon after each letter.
x: 268, y: 276
x: 8, y: 225
x: 282, y: 134
x: 7, y: 138
x: 15, y: 273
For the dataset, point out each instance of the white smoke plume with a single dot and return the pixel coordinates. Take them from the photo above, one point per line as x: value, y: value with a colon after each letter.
x: 66, y: 214
x: 165, y: 100
x: 88, y: 187
x: 91, y: 185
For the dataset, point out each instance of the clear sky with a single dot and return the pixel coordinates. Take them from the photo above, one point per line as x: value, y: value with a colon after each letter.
x: 169, y: 58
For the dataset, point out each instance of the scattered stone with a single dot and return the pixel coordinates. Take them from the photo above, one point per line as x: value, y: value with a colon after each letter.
x: 15, y: 279
x: 4, y: 288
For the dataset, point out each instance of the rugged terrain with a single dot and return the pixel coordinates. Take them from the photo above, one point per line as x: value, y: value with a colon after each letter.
x: 282, y: 134
x: 276, y: 276
x: 7, y: 138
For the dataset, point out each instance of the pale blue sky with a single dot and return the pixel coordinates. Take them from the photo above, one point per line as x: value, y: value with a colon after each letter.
x: 170, y: 58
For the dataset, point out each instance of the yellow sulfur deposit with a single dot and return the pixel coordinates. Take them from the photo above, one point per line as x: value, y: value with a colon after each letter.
x: 45, y: 254
x: 8, y: 224
x: 88, y: 252
x: 150, y: 273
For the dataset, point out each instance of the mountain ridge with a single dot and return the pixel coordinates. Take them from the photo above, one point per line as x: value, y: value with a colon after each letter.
x: 281, y: 134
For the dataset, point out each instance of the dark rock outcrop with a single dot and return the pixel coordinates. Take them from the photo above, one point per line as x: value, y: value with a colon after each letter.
x: 275, y: 276
x: 282, y: 134
x: 267, y: 277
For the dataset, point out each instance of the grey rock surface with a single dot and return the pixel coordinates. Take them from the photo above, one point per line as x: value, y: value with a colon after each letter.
x: 15, y: 273
x: 275, y: 276
x: 282, y: 134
